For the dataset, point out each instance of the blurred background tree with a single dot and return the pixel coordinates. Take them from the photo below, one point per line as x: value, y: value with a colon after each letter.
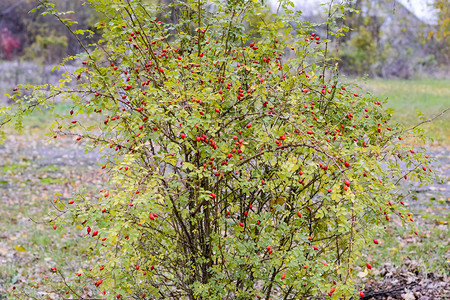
x: 387, y: 38
x: 41, y: 38
x: 440, y: 37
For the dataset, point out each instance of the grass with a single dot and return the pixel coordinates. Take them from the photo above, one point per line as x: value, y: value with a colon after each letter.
x: 50, y: 168
x: 27, y: 249
x: 41, y: 241
x: 42, y: 118
x: 50, y: 180
x: 429, y: 248
x: 13, y: 167
x: 406, y: 97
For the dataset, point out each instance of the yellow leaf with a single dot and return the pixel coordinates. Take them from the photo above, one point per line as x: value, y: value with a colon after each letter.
x: 334, y: 196
x: 20, y: 248
x: 224, y: 148
x: 276, y: 201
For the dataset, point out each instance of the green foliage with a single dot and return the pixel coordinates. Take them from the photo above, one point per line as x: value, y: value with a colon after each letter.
x: 362, y: 53
x: 443, y: 31
x: 388, y: 40
x: 238, y: 168
x: 439, y: 37
x: 47, y: 48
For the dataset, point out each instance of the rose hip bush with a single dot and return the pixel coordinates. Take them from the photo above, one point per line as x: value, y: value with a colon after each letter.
x: 240, y: 166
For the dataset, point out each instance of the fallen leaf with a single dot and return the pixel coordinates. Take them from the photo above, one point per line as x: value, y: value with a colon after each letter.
x: 20, y: 248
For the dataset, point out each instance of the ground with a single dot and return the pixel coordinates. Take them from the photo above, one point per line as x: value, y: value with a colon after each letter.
x: 34, y: 166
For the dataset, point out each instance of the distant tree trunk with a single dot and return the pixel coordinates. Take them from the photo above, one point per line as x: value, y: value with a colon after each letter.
x: 353, y: 20
x: 16, y: 75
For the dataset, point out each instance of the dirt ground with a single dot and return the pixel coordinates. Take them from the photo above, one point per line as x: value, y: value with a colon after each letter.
x: 32, y: 170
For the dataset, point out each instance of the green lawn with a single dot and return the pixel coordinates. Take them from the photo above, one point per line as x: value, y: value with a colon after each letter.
x: 429, y: 96
x: 26, y: 188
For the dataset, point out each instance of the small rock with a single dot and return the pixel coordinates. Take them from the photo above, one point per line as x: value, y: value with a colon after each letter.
x: 408, y: 296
